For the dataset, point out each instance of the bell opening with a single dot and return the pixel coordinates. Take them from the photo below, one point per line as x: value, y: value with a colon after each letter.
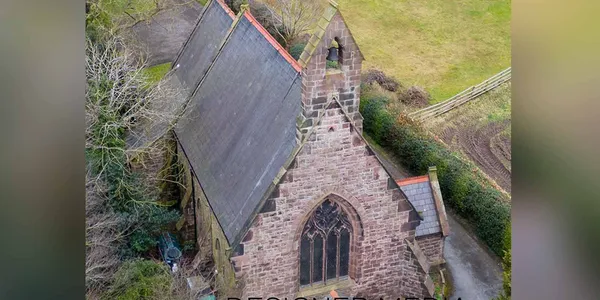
x: 333, y: 59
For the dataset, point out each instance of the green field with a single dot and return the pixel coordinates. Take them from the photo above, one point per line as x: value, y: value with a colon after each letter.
x: 443, y: 46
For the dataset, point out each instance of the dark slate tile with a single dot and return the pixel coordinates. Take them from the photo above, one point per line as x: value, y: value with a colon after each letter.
x: 243, y: 126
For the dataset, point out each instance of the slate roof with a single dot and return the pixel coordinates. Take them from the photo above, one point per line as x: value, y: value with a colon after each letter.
x: 419, y: 193
x: 240, y: 128
x: 202, y: 46
x: 241, y: 124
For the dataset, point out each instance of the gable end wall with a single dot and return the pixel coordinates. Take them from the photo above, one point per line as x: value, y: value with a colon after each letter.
x: 334, y: 161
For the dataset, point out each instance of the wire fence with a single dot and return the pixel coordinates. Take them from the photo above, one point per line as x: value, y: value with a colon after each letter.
x: 462, y: 97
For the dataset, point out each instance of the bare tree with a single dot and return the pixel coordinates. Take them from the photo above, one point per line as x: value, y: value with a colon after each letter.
x: 295, y: 17
x: 119, y: 103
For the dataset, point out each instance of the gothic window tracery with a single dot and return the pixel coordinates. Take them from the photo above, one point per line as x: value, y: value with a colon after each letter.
x: 325, y: 245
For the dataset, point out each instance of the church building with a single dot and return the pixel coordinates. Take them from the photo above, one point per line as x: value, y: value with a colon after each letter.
x: 284, y: 193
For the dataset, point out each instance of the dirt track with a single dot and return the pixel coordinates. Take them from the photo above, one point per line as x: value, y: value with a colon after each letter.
x: 486, y: 147
x: 480, y: 130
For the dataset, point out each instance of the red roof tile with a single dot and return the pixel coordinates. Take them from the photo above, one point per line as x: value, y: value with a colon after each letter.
x: 227, y: 9
x: 411, y: 180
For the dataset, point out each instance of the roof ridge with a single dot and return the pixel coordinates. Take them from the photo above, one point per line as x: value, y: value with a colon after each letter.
x: 227, y: 9
x: 412, y: 180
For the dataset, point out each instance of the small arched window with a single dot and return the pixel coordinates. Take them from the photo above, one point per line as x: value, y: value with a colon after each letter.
x: 335, y: 55
x: 325, y: 245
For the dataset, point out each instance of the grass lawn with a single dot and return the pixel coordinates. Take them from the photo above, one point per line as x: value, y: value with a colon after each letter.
x: 443, y: 46
x: 156, y: 73
x: 118, y: 9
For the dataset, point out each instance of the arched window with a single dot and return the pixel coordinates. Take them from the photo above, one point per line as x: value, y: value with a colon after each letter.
x: 335, y: 55
x: 325, y: 245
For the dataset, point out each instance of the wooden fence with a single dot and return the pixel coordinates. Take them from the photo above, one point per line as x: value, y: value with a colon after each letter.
x: 462, y: 97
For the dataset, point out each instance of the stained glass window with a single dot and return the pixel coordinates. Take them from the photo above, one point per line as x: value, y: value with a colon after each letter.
x: 305, y: 261
x: 344, y: 252
x: 332, y: 255
x: 325, y: 245
x: 318, y: 259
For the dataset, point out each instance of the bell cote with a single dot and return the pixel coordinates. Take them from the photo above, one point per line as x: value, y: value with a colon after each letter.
x: 331, y: 65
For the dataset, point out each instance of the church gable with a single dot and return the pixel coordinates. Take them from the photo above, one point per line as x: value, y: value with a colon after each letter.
x: 304, y: 204
x: 334, y: 168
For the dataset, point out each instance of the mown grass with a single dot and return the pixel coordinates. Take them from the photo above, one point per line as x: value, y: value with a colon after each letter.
x: 443, y: 46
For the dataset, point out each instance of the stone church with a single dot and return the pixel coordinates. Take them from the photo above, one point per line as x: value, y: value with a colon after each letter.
x: 284, y: 193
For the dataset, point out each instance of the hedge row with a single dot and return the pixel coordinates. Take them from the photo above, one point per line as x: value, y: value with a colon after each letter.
x: 462, y: 188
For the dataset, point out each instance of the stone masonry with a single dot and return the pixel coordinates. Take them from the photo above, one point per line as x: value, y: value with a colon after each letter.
x: 318, y: 83
x: 433, y: 247
x: 335, y: 162
x: 330, y: 161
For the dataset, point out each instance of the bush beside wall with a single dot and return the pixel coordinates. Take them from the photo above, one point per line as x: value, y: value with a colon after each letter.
x: 469, y: 194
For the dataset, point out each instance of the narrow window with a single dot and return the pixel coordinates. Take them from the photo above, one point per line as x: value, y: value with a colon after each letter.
x: 344, y: 252
x: 325, y: 245
x: 318, y: 259
x: 305, y: 260
x: 332, y: 255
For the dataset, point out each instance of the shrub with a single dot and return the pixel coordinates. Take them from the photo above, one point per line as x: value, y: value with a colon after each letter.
x: 262, y: 14
x: 234, y: 5
x: 331, y: 64
x: 296, y: 50
x: 141, y: 279
x: 389, y: 83
x: 507, y: 267
x: 117, y: 98
x: 463, y: 190
x: 415, y: 96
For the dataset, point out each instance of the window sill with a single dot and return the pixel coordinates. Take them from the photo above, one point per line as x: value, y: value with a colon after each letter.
x: 325, y: 288
x: 333, y: 72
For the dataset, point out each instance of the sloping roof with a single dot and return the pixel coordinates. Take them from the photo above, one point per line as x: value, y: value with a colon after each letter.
x: 241, y: 125
x: 419, y: 193
x: 202, y: 46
